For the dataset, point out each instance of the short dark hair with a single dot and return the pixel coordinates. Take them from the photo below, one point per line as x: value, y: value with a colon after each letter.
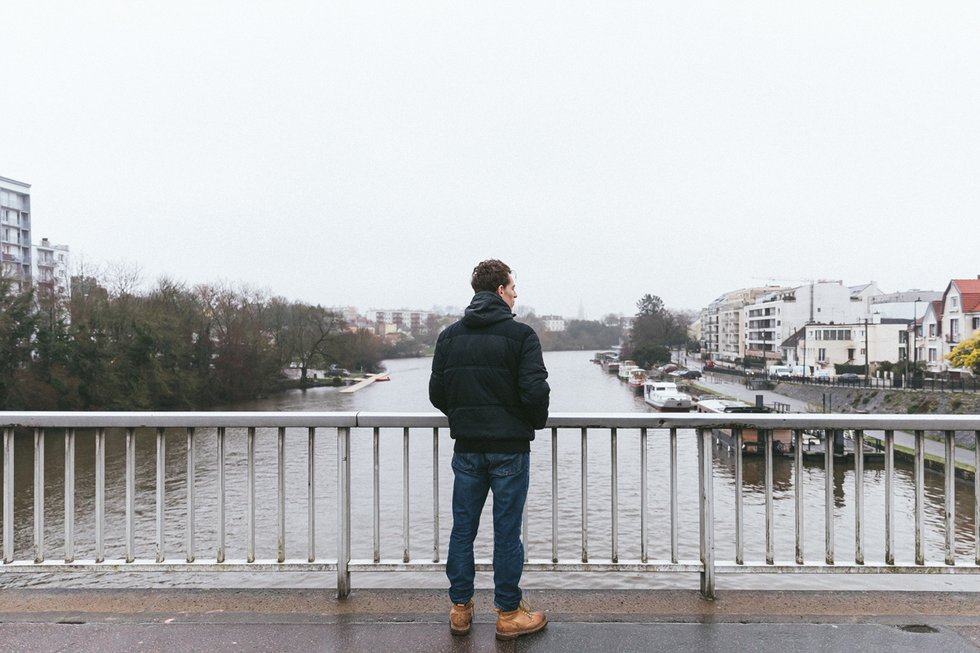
x: 490, y: 275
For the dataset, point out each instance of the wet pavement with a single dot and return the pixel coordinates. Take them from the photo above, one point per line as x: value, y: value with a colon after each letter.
x: 416, y: 620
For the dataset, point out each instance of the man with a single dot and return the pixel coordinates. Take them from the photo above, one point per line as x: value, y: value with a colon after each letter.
x: 488, y: 377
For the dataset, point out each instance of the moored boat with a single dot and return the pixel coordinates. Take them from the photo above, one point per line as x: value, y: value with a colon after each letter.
x: 782, y: 439
x: 637, y: 379
x: 624, y: 369
x: 665, y: 397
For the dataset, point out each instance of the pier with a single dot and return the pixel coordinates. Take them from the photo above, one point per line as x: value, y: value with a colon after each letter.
x: 363, y: 383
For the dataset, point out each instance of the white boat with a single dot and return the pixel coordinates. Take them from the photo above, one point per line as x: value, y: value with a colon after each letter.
x: 664, y: 396
x: 624, y: 369
x: 637, y: 379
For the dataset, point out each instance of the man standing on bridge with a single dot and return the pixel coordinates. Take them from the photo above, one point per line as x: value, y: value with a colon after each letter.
x: 488, y: 377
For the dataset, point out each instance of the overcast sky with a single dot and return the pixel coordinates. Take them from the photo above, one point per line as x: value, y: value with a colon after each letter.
x: 370, y: 154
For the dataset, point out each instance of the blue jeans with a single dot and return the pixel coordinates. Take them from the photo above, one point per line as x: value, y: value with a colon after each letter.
x: 506, y: 474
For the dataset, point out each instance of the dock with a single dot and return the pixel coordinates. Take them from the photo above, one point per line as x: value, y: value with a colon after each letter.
x: 363, y: 383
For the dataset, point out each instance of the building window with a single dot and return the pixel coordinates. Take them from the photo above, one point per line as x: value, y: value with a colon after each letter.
x: 976, y: 323
x: 932, y: 330
x: 954, y: 329
x: 932, y: 354
x: 956, y: 301
x: 822, y: 355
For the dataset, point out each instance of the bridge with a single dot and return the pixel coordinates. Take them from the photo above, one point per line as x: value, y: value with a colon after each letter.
x: 246, y: 501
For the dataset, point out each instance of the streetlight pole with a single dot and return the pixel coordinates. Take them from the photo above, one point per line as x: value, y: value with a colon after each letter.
x: 915, y: 352
x: 866, y: 368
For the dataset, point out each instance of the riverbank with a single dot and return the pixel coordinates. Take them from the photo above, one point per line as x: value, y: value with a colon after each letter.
x: 889, y: 402
x: 835, y: 399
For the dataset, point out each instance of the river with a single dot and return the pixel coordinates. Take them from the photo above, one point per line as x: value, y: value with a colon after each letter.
x: 577, y: 386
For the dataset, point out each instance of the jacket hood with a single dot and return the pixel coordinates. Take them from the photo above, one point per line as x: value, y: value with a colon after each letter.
x: 485, y: 309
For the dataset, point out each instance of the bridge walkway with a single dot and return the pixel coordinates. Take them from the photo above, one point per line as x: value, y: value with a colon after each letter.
x: 407, y: 621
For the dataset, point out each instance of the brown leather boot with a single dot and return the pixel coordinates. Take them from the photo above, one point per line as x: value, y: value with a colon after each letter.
x: 460, y: 618
x: 515, y: 623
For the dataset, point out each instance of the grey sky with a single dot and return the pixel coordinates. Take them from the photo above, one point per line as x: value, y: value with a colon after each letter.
x: 371, y: 153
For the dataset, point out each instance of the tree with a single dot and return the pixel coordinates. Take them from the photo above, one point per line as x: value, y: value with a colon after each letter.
x: 966, y: 354
x: 308, y: 332
x: 655, y: 331
x: 17, y: 327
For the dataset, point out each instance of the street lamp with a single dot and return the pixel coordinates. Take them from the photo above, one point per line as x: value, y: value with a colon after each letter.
x: 915, y: 352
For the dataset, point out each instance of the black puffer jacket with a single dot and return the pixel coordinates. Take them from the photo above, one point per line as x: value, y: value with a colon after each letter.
x: 488, y: 377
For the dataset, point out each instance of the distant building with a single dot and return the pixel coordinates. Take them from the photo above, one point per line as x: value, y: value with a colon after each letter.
x: 554, y: 323
x: 947, y: 322
x: 819, y: 347
x: 774, y: 317
x: 405, y: 320
x: 723, y: 324
x: 51, y: 269
x: 15, y: 231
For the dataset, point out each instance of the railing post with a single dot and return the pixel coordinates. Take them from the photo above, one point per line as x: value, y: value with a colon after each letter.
x: 8, y: 495
x: 161, y: 492
x: 38, y: 495
x: 130, y: 494
x: 281, y: 496
x: 69, y: 495
x: 343, y: 512
x: 706, y: 511
x: 191, y: 496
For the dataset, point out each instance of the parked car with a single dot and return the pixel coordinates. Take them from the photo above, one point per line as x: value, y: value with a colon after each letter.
x: 709, y: 363
x: 690, y: 374
x: 848, y: 378
x: 668, y: 368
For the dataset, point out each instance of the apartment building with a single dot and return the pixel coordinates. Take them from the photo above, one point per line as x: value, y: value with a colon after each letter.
x: 776, y: 316
x: 15, y: 231
x: 723, y: 325
x: 401, y: 319
x: 51, y: 269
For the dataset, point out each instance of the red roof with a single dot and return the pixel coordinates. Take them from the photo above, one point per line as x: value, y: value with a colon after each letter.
x: 969, y: 290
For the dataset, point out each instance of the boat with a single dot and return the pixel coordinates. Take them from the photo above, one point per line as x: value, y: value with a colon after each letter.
x: 843, y: 443
x: 624, y: 369
x: 610, y: 363
x: 637, y: 379
x: 665, y: 397
x: 379, y: 379
x: 782, y: 439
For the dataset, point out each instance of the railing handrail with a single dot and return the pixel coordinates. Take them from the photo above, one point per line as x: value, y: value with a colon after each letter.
x: 734, y: 426
x: 364, y: 419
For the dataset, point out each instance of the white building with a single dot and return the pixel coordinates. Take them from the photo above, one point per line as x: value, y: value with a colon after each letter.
x: 51, y: 269
x: 819, y: 347
x: 947, y: 322
x: 722, y: 323
x: 15, y: 230
x: 401, y: 319
x: 553, y: 323
x: 774, y: 317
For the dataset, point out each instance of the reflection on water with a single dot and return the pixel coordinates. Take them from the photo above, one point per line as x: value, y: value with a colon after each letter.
x: 577, y: 386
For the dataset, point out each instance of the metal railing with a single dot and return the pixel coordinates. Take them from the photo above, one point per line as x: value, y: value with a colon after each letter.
x: 568, y: 432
